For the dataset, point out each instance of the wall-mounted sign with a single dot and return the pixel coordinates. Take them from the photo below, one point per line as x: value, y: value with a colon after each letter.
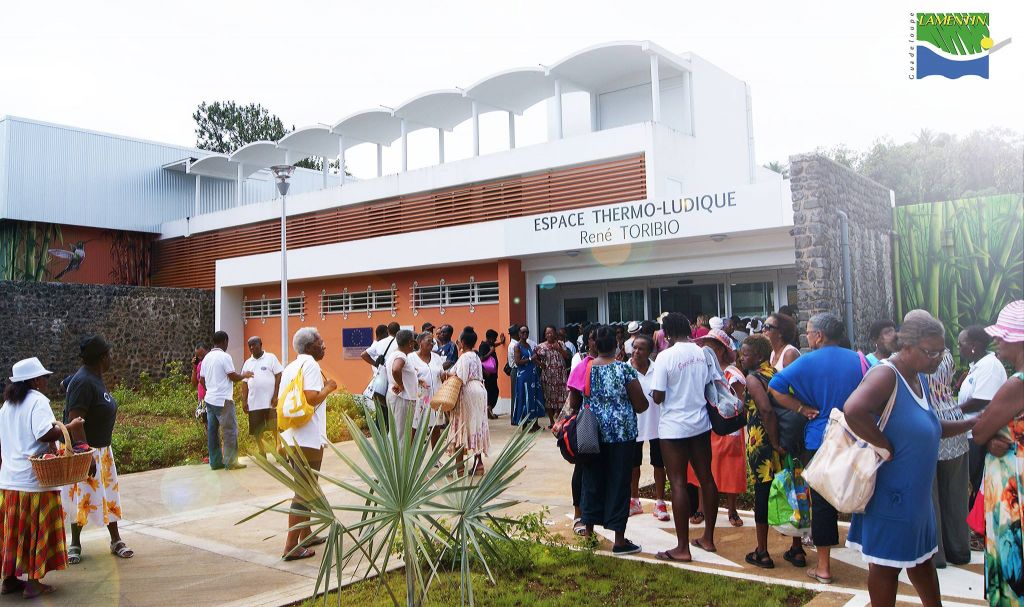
x: 354, y: 341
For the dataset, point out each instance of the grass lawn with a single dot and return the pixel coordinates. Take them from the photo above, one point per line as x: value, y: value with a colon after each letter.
x: 557, y: 577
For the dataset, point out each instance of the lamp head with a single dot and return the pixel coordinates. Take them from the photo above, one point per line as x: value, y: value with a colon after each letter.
x: 282, y: 173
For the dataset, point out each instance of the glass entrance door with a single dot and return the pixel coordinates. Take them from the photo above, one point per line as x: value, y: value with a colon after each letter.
x: 691, y: 300
x: 580, y: 310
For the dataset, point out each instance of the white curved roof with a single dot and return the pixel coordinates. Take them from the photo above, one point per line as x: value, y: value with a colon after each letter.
x: 442, y: 109
x: 372, y: 126
x: 216, y: 165
x: 513, y: 90
x: 595, y: 69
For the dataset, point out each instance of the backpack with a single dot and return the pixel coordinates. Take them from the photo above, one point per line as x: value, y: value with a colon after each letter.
x: 579, y: 439
x: 293, y: 410
x: 724, y: 408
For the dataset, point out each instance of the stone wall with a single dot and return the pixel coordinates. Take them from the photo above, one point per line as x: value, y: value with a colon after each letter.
x: 820, y: 187
x: 148, y: 327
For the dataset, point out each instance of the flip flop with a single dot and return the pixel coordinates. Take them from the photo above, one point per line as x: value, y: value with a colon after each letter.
x: 16, y: 585
x: 315, y: 541
x: 735, y: 520
x: 665, y: 556
x: 305, y: 553
x: 43, y: 589
x: 697, y: 518
x: 697, y: 544
x: 813, y: 574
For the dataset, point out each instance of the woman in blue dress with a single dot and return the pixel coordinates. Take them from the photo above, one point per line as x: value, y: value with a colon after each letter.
x: 897, y: 529
x: 529, y: 400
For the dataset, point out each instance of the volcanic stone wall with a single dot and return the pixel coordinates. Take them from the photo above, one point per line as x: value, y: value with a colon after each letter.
x: 148, y: 327
x: 820, y: 186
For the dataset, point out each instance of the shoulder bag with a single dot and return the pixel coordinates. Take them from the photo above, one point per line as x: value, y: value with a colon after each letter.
x: 580, y: 437
x: 844, y: 468
x: 724, y: 408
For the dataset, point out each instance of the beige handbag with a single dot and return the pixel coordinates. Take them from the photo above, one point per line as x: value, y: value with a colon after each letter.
x: 844, y: 468
x: 447, y: 396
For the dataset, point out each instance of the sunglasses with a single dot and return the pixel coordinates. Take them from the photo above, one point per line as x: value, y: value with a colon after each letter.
x: 768, y: 327
x: 930, y: 354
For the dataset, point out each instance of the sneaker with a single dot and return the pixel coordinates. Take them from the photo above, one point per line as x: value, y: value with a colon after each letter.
x: 206, y: 460
x: 635, y: 507
x: 627, y: 548
x: 661, y: 511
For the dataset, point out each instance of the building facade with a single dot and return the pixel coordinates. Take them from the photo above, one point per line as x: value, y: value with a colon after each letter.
x: 658, y: 206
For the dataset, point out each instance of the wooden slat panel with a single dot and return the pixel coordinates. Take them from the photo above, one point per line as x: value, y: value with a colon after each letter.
x: 190, y: 262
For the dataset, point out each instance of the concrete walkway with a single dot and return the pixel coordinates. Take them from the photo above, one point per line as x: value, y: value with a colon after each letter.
x: 189, y: 550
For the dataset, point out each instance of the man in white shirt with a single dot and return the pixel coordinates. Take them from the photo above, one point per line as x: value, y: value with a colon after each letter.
x: 986, y: 374
x: 633, y: 328
x: 218, y: 376
x: 259, y: 393
x: 684, y: 429
x: 311, y: 437
x: 375, y: 356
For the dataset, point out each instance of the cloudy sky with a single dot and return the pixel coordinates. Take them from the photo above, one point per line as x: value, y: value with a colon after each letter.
x: 822, y: 73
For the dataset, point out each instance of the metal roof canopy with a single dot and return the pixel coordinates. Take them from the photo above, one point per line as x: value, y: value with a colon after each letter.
x: 444, y: 109
x: 513, y: 90
x: 600, y: 68
x: 371, y: 126
x: 316, y: 140
x: 263, y: 154
x: 218, y: 166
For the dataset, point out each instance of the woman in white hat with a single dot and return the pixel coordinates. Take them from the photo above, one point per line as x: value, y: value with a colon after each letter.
x: 1001, y: 428
x: 31, y: 517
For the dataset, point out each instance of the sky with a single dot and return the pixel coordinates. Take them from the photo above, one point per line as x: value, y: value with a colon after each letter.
x: 821, y: 73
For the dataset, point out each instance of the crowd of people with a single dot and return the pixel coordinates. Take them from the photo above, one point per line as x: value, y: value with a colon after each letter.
x: 953, y: 441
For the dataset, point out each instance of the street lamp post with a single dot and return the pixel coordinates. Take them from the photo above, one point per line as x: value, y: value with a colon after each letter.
x: 282, y: 173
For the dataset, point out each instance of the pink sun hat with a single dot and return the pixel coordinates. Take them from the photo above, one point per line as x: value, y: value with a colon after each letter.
x: 719, y: 336
x: 1010, y: 324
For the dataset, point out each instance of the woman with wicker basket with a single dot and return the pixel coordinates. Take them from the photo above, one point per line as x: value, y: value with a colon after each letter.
x: 469, y: 430
x: 31, y: 517
x: 97, y: 499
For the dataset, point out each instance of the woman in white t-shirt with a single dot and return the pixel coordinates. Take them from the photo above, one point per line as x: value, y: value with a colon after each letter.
x: 31, y: 518
x: 684, y: 431
x: 428, y: 366
x: 781, y: 332
x: 310, y: 437
x: 647, y: 430
x: 403, y: 386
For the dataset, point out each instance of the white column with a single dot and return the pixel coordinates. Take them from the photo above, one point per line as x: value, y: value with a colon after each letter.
x: 595, y: 109
x: 558, y: 109
x: 511, y: 131
x: 239, y: 180
x: 405, y: 146
x: 380, y: 160
x: 341, y: 160
x: 284, y: 282
x: 195, y: 212
x: 325, y: 170
x: 476, y: 129
x: 655, y: 90
x: 440, y: 146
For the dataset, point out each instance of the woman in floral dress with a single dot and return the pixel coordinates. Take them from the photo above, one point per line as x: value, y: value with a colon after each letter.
x: 763, y: 447
x: 553, y: 358
x: 469, y: 433
x: 1001, y: 428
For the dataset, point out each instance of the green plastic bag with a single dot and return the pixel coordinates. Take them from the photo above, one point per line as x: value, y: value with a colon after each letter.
x: 789, y: 502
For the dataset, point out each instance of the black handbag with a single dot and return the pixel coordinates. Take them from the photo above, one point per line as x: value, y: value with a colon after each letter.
x: 507, y: 369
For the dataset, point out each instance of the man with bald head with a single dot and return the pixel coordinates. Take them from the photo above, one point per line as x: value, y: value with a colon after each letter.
x: 259, y: 393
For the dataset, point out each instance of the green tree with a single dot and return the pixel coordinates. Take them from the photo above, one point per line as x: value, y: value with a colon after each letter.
x: 782, y: 168
x: 225, y: 126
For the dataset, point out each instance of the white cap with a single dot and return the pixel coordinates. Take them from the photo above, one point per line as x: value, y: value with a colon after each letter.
x: 716, y: 323
x: 27, y: 369
x: 633, y: 327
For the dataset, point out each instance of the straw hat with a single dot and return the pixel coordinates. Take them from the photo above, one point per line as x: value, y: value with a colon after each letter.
x: 716, y: 322
x: 719, y: 336
x: 1010, y: 324
x: 27, y: 369
x: 633, y: 327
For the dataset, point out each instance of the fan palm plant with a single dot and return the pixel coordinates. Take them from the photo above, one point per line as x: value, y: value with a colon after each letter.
x: 409, y: 502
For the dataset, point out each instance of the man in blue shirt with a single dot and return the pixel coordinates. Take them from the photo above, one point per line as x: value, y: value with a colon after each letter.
x: 445, y: 346
x: 814, y: 385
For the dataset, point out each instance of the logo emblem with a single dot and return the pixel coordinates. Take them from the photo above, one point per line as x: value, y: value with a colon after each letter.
x: 953, y: 44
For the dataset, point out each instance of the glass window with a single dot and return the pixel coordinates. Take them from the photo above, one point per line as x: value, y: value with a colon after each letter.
x: 624, y: 306
x: 580, y: 310
x: 753, y: 299
x: 691, y: 300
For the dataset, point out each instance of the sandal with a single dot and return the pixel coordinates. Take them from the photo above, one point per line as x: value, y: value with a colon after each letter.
x: 735, y: 520
x: 298, y: 554
x: 667, y: 556
x: 578, y: 527
x: 813, y: 574
x: 796, y: 556
x: 698, y: 544
x: 121, y: 550
x: 38, y: 591
x: 74, y: 555
x: 697, y: 518
x: 15, y: 585
x: 314, y: 540
x: 760, y: 559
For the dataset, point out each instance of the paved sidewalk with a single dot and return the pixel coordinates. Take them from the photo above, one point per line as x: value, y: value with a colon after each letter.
x: 189, y: 550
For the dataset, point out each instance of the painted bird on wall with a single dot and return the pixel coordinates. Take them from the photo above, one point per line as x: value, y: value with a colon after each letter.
x: 75, y: 258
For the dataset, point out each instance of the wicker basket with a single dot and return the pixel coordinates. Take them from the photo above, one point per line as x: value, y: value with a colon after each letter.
x: 66, y: 469
x: 447, y: 395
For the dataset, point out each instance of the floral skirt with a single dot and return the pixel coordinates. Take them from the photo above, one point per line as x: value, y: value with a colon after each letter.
x: 96, y: 500
x: 33, y: 534
x: 1004, y: 554
x: 469, y: 429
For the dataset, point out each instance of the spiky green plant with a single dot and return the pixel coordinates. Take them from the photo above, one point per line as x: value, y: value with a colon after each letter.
x: 404, y: 502
x: 24, y: 249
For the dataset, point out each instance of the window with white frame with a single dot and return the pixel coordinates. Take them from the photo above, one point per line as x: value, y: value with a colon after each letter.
x: 455, y: 294
x: 348, y: 302
x: 265, y: 307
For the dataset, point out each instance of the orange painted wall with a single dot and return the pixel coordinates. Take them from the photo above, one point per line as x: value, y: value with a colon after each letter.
x: 354, y: 374
x: 97, y: 265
